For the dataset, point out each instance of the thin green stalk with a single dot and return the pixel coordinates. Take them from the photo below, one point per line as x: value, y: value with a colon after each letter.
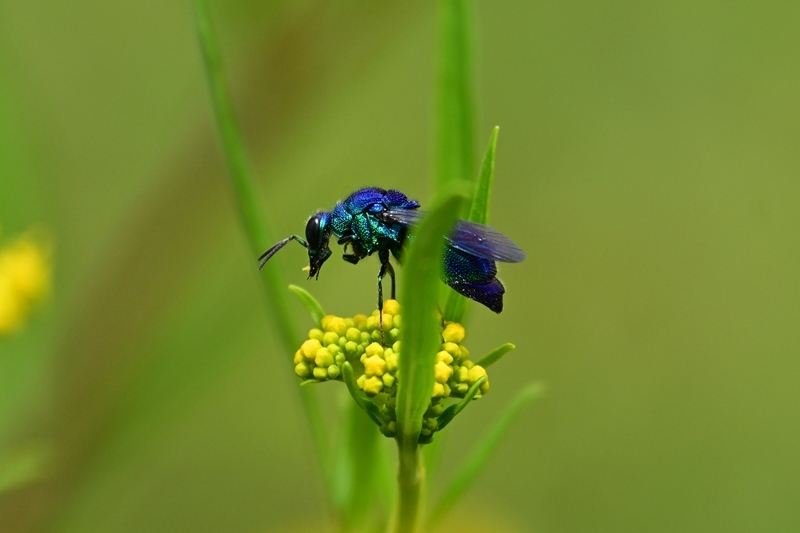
x: 254, y: 224
x: 410, y: 480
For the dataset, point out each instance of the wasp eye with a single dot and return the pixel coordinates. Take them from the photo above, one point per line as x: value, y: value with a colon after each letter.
x: 312, y: 231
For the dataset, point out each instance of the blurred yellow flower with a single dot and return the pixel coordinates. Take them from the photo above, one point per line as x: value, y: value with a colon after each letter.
x: 25, y: 274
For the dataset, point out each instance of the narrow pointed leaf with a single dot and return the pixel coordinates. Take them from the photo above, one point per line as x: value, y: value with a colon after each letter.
x: 421, y: 337
x: 495, y: 355
x: 450, y: 413
x: 455, y: 100
x: 480, y: 204
x: 253, y: 222
x: 310, y: 303
x: 468, y: 472
x: 456, y: 305
x: 363, y: 402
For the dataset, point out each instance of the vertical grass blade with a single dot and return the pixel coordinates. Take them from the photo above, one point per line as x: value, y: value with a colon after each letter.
x: 420, y: 338
x: 469, y: 471
x: 420, y: 341
x: 254, y: 225
x: 455, y: 98
x: 480, y: 204
x: 456, y: 305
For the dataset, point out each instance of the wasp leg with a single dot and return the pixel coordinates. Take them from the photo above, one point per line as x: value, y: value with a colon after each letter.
x: 385, y: 267
x: 351, y: 258
x: 390, y: 270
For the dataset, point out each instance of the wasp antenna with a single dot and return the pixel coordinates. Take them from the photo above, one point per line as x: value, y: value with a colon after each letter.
x: 267, y: 255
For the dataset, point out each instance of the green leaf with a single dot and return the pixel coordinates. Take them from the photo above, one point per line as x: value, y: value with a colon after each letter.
x: 456, y: 305
x: 310, y: 303
x: 255, y: 226
x: 468, y: 472
x: 367, y: 405
x: 421, y: 337
x: 480, y: 204
x: 450, y: 413
x: 492, y: 357
x: 455, y: 98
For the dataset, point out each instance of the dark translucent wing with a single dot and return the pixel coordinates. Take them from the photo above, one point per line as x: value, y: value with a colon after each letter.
x: 470, y: 237
x: 485, y: 242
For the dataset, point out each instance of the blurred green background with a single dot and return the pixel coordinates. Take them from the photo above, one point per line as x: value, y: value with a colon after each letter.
x: 648, y: 162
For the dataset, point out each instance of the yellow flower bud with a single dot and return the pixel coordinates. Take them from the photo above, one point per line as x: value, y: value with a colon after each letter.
x: 320, y: 373
x: 464, y: 353
x: 360, y: 321
x: 397, y: 321
x: 353, y: 335
x: 310, y: 348
x: 391, y: 307
x: 484, y: 388
x: 372, y: 322
x: 333, y: 372
x: 302, y: 370
x: 475, y: 373
x: 391, y: 360
x: 388, y: 380
x: 444, y: 357
x: 315, y: 334
x: 442, y: 372
x: 451, y: 348
x: 374, y: 366
x: 362, y: 379
x: 12, y: 308
x: 396, y: 347
x: 373, y: 385
x: 334, y: 324
x: 454, y: 333
x: 329, y: 337
x: 438, y: 390
x: 462, y: 374
x: 298, y: 356
x: 323, y: 358
x: 351, y: 348
x: 374, y: 349
x: 25, y: 263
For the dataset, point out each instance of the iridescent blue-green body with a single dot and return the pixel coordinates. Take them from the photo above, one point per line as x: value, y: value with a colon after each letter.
x: 374, y: 220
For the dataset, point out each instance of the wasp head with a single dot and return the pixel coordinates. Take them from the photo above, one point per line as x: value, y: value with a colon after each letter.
x: 318, y: 233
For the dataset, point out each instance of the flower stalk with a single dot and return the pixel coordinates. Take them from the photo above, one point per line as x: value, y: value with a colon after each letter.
x: 410, y: 481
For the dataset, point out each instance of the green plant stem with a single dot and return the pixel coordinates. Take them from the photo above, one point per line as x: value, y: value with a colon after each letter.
x: 410, y: 482
x: 254, y: 224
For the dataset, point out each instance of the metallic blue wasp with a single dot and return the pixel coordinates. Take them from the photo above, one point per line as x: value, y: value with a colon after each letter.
x: 376, y: 220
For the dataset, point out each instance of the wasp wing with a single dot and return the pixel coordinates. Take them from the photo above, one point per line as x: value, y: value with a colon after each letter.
x: 470, y: 237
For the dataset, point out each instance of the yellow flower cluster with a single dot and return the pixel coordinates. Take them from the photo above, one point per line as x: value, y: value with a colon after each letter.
x: 358, y: 341
x: 24, y: 281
